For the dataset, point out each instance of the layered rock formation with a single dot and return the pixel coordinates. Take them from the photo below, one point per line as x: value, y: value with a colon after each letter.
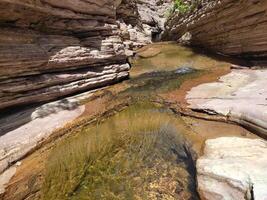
x: 233, y: 168
x: 142, y: 21
x: 50, y: 49
x: 230, y: 27
x: 240, y: 96
x: 153, y: 15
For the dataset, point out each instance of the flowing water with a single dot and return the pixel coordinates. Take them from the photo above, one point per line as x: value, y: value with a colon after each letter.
x: 145, y: 151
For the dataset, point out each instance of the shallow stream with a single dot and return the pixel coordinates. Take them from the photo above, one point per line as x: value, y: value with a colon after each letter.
x: 147, y: 150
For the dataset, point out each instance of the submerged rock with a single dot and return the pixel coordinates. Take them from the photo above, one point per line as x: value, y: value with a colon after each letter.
x: 233, y: 169
x: 139, y: 153
x: 184, y: 70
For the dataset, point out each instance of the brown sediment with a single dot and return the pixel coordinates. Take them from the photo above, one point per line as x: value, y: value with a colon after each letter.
x: 179, y: 95
x: 95, y: 106
x: 205, y: 130
x: 26, y: 183
x: 148, y: 52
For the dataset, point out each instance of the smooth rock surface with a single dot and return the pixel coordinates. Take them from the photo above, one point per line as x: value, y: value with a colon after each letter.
x: 43, y: 122
x: 241, y: 96
x: 233, y: 169
x: 5, y: 177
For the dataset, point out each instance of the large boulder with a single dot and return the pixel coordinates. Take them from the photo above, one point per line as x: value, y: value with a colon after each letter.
x: 233, y: 169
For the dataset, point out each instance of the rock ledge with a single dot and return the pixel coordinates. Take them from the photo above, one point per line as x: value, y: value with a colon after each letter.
x: 233, y: 169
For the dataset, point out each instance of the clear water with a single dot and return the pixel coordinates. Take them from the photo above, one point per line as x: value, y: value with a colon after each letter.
x: 141, y: 152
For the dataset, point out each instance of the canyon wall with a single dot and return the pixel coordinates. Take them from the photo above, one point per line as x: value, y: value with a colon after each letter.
x: 50, y: 49
x: 232, y: 27
x: 142, y: 21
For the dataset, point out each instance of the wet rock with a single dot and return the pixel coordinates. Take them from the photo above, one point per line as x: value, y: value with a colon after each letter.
x: 240, y: 96
x: 148, y: 52
x: 5, y: 177
x: 233, y: 168
x: 184, y: 70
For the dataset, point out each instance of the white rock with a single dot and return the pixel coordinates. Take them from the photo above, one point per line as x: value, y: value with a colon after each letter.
x: 233, y: 169
x: 6, y: 177
x: 241, y: 95
x: 45, y: 120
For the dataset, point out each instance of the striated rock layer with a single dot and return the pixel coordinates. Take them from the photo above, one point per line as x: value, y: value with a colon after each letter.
x: 231, y: 27
x: 50, y: 49
x: 142, y: 21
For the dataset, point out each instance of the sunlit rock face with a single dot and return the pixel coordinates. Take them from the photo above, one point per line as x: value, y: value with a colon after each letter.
x: 53, y: 48
x: 233, y: 168
x: 240, y: 96
x: 142, y: 21
x: 230, y: 27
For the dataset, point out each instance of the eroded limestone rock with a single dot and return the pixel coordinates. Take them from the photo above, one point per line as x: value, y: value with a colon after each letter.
x: 233, y: 169
x: 241, y: 96
x: 142, y: 21
x: 42, y: 122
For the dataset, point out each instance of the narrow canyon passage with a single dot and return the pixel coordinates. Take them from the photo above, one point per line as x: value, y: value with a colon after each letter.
x: 133, y: 100
x: 133, y: 140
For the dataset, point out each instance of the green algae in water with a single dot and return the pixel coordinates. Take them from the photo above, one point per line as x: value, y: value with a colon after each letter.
x: 136, y: 154
x: 169, y: 57
x: 159, y: 82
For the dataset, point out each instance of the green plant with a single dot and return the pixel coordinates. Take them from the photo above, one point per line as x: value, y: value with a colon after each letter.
x: 181, y: 6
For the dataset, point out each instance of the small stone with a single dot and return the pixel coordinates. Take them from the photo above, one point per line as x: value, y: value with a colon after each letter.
x: 184, y: 70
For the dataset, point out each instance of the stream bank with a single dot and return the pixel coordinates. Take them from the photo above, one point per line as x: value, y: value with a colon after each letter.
x: 183, y: 126
x: 160, y: 78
